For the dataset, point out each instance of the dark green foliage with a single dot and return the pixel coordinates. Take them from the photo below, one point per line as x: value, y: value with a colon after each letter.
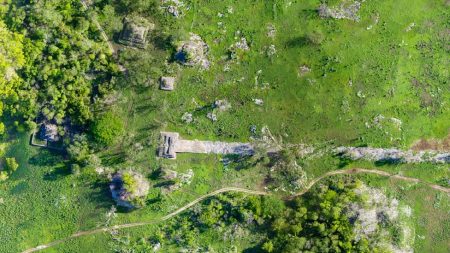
x: 65, y: 61
x: 317, y: 222
x: 107, y: 128
x: 78, y: 150
x: 11, y: 164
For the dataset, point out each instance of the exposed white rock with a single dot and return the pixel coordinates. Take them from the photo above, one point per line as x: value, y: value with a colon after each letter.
x: 212, y: 116
x: 346, y: 10
x: 258, y: 101
x: 392, y: 155
x: 187, y: 117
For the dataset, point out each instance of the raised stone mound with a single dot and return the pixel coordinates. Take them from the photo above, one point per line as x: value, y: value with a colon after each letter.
x: 193, y: 52
x: 346, y: 10
x: 167, y: 174
x: 167, y: 83
x: 127, y: 187
x: 135, y: 32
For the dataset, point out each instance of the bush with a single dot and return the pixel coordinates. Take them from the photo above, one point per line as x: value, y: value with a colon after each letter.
x: 11, y: 164
x: 107, y: 129
x: 78, y: 150
x: 3, y: 176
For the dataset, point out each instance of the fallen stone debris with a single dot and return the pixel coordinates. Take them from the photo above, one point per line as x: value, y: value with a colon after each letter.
x: 222, y: 105
x: 173, y: 7
x: 392, y: 155
x: 346, y: 10
x: 187, y: 118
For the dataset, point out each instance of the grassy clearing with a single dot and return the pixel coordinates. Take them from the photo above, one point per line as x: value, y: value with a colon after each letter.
x: 356, y: 74
x: 42, y: 202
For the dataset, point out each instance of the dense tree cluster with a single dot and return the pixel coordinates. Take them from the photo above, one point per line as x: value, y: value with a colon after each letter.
x: 11, y: 59
x: 316, y: 223
x: 60, y: 60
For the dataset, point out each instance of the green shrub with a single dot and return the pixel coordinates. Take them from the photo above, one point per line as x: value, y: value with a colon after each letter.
x: 3, y: 176
x: 11, y: 164
x: 107, y: 129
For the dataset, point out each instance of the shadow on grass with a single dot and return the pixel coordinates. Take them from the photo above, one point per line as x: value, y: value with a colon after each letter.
x: 298, y: 42
x: 101, y: 194
x: 388, y: 161
x: 112, y: 159
x: 239, y: 162
x: 57, y: 173
x: 46, y: 157
x: 162, y: 42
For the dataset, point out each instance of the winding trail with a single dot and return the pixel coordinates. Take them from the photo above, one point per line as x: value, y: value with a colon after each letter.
x: 236, y: 189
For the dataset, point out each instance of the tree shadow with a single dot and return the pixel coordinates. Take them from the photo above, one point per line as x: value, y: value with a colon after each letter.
x: 112, y: 159
x: 46, y: 157
x: 388, y: 161
x: 241, y: 162
x: 162, y: 42
x: 57, y: 173
x: 165, y: 183
x: 298, y: 42
x: 101, y: 194
x: 254, y: 249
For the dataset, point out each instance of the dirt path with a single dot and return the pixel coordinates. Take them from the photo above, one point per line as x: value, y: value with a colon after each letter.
x: 367, y: 171
x: 100, y: 28
x: 236, y: 189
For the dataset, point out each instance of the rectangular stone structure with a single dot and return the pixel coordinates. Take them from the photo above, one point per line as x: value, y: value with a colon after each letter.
x: 167, y: 145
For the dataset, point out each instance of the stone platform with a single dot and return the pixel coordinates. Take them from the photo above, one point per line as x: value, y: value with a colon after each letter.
x: 171, y: 144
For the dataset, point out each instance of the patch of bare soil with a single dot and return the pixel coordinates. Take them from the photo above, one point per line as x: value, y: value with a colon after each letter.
x: 432, y: 144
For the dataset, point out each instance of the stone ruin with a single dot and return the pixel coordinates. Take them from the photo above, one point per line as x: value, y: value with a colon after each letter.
x: 348, y: 9
x: 173, y: 7
x: 135, y: 32
x: 49, y: 132
x: 193, y: 52
x: 123, y: 196
x: 167, y: 147
x: 392, y: 155
x: 167, y: 83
